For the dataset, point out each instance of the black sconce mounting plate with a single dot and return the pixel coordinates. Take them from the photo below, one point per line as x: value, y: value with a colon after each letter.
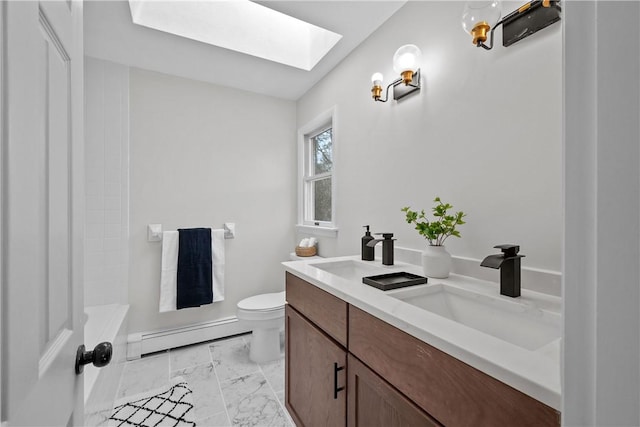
x: 518, y: 25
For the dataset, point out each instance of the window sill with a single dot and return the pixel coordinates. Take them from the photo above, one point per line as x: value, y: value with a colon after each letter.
x: 317, y: 231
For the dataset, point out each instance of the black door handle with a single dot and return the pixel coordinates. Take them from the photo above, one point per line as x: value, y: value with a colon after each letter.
x: 336, y: 389
x: 100, y: 356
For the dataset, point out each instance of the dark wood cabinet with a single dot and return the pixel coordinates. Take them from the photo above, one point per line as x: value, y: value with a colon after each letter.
x: 315, y: 375
x: 374, y: 402
x: 344, y: 366
x: 451, y: 391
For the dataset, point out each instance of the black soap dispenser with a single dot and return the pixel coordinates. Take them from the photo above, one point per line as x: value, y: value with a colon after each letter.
x: 368, y: 252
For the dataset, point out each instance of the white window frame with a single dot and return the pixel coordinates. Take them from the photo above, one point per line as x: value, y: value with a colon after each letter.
x: 322, y: 122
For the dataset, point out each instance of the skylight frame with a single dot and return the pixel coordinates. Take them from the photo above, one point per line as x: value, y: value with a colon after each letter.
x: 241, y: 26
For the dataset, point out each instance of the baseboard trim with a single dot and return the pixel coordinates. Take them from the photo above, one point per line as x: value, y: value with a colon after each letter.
x: 142, y: 343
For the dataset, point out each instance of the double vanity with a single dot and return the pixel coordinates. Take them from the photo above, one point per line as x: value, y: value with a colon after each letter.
x: 450, y: 352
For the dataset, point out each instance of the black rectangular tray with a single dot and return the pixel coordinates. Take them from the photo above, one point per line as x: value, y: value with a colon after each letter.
x: 390, y: 281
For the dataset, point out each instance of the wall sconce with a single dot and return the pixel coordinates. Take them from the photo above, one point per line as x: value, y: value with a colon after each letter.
x: 480, y: 17
x: 405, y: 62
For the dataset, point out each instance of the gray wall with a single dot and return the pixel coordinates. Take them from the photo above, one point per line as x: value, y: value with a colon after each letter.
x: 202, y: 155
x: 106, y: 244
x: 601, y: 289
x: 484, y: 133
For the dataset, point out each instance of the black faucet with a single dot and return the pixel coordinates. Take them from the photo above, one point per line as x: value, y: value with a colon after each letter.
x: 387, y: 247
x: 509, y: 264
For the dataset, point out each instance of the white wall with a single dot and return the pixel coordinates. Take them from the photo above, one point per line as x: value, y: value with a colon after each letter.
x: 484, y: 133
x: 601, y: 369
x: 106, y: 244
x: 202, y: 155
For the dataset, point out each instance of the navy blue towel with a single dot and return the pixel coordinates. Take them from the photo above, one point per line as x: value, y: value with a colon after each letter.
x: 194, y: 268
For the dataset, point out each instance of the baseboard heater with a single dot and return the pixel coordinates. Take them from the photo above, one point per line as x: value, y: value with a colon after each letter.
x: 142, y: 343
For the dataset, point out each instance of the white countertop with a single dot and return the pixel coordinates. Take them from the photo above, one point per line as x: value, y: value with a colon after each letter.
x: 533, y: 372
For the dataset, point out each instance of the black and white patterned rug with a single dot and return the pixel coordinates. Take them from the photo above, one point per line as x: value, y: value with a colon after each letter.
x: 171, y: 405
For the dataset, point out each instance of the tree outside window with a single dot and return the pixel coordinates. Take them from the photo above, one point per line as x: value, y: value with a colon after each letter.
x: 318, y: 185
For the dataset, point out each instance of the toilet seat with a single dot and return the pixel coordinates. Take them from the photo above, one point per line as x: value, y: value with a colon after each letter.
x: 263, y: 302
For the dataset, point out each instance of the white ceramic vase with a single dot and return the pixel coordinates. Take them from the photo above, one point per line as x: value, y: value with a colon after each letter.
x: 436, y: 262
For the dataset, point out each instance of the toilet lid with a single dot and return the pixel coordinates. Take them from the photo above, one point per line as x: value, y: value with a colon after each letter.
x: 263, y: 302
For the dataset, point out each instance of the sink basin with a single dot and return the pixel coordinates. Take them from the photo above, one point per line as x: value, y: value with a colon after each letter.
x: 516, y: 322
x: 350, y: 269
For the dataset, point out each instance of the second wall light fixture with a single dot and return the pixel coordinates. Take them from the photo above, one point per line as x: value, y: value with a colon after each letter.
x: 406, y: 63
x: 481, y: 17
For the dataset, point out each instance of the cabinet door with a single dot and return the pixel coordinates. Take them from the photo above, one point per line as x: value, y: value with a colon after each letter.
x: 315, y: 374
x: 451, y: 391
x: 373, y: 402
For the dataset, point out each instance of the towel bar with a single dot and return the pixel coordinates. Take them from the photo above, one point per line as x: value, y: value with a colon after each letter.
x: 154, y: 231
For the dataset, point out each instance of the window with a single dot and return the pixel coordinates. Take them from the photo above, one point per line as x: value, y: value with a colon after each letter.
x: 317, y: 193
x: 317, y: 179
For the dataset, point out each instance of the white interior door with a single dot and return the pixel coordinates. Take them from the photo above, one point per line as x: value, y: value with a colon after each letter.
x: 42, y: 204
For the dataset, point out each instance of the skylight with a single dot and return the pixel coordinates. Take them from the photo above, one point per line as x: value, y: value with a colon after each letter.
x: 239, y: 25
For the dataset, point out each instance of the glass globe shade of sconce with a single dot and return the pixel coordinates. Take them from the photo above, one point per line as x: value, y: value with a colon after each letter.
x: 479, y: 17
x: 376, y: 79
x: 406, y: 61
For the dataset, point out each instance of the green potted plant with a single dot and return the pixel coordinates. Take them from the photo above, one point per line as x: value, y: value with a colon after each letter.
x: 436, y: 261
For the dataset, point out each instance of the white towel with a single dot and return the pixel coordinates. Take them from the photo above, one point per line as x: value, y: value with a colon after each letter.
x: 217, y: 264
x: 169, y: 272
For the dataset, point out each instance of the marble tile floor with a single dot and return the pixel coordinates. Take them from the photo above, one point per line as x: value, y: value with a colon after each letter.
x: 228, y: 388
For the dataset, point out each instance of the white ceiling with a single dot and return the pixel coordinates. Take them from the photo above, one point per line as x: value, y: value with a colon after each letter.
x: 110, y: 35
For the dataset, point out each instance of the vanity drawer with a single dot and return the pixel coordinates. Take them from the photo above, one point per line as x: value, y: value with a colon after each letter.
x: 451, y: 391
x: 326, y: 311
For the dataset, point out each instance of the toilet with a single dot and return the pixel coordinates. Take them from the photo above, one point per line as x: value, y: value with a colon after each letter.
x: 265, y: 315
